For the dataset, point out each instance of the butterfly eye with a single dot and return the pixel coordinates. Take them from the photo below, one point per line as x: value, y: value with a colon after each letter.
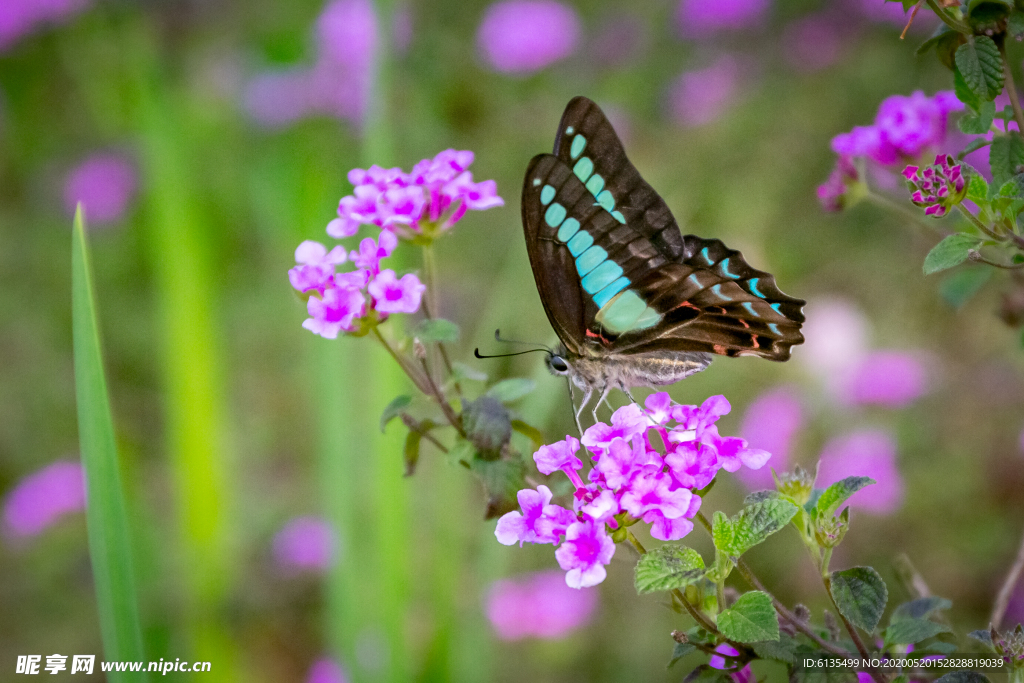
x: 558, y: 365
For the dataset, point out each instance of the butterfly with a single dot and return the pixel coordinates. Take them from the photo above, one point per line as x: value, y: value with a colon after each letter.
x: 634, y: 302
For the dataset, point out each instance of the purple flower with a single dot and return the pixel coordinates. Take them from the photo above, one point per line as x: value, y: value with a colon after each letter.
x: 692, y: 463
x: 894, y: 379
x: 836, y: 336
x: 937, y: 187
x: 702, y: 96
x: 19, y: 18
x: 699, y: 18
x: 42, y: 497
x: 770, y: 423
x: 539, y: 522
x: 597, y: 503
x: 744, y: 675
x: 865, y: 141
x: 864, y: 453
x: 393, y: 295
x: 915, y: 123
x: 315, y: 271
x: 305, y: 543
x: 733, y: 452
x: 616, y: 465
x: 104, y: 183
x: 812, y: 43
x: 521, y: 36
x: 584, y: 554
x: 560, y: 456
x: 371, y: 251
x: 693, y: 421
x: 538, y: 605
x: 336, y: 312
x: 655, y: 493
x: 326, y: 670
x: 627, y: 422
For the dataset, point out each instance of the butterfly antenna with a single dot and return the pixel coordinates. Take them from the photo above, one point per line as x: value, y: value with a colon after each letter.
x: 476, y: 352
x: 498, y: 337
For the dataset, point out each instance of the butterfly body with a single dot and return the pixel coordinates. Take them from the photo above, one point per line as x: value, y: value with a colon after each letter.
x: 634, y: 301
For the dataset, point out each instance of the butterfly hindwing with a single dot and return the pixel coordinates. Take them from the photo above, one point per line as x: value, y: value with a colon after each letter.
x: 616, y: 275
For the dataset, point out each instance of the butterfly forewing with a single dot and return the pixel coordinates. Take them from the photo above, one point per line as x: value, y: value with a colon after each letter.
x: 616, y: 275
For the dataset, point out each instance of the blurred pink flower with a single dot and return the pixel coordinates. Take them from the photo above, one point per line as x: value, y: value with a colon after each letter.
x: 538, y: 605
x: 396, y: 295
x: 42, y: 497
x: 836, y: 335
x: 864, y: 453
x: 338, y: 84
x: 1015, y: 609
x: 812, y: 43
x: 770, y: 423
x: 885, y: 11
x: 305, y: 544
x: 521, y: 36
x: 698, y: 18
x: 701, y: 96
x: 326, y: 670
x: 19, y: 18
x: 104, y: 183
x: 622, y: 38
x: 893, y: 379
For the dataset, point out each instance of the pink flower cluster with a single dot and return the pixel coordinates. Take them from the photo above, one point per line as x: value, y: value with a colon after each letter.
x: 905, y: 128
x: 936, y: 187
x: 538, y: 605
x: 427, y: 201
x: 630, y: 480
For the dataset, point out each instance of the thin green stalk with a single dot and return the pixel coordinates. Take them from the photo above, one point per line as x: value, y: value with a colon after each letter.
x: 1011, y: 91
x: 908, y: 213
x: 977, y: 223
x: 430, y: 306
x: 106, y: 516
x: 954, y: 24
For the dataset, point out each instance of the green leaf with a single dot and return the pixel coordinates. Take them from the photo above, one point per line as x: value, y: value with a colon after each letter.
x: 964, y: 93
x: 978, y: 123
x: 989, y: 15
x: 751, y: 619
x: 963, y: 677
x: 920, y: 608
x: 752, y: 525
x: 781, y: 650
x: 487, y: 424
x: 502, y: 479
x: 979, y: 62
x: 461, y: 371
x: 667, y: 568
x: 908, y: 631
x: 680, y: 651
x: 509, y: 390
x: 436, y: 330
x: 530, y: 432
x: 394, y: 409
x: 958, y: 288
x: 973, y: 146
x: 411, y: 451
x: 977, y: 188
x: 1006, y: 158
x: 1013, y: 188
x: 758, y: 496
x: 1015, y: 24
x: 907, y: 4
x: 860, y: 595
x: 981, y: 635
x: 836, y: 494
x: 951, y: 251
x: 106, y: 516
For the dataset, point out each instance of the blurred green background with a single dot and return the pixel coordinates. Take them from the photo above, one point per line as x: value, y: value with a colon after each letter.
x: 232, y: 419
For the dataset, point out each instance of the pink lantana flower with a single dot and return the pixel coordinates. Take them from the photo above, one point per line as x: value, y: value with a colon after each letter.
x: 627, y: 422
x: 692, y: 463
x: 584, y: 554
x: 316, y: 266
x: 393, y: 295
x: 560, y: 456
x: 539, y: 521
x: 371, y: 252
x: 733, y: 452
x: 336, y: 312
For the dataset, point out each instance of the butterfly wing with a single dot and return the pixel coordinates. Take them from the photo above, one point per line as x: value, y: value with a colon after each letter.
x: 615, y: 273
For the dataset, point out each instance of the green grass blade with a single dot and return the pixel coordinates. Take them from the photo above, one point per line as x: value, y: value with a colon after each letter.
x: 106, y: 519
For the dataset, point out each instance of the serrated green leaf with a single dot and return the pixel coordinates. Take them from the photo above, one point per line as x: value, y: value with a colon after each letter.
x: 981, y: 635
x: 508, y: 390
x: 979, y: 62
x: 963, y: 677
x: 680, y: 651
x: 959, y: 287
x: 781, y: 650
x: 909, y: 631
x: 836, y: 494
x: 937, y: 647
x: 754, y: 524
x: 1013, y: 188
x: 437, y: 330
x: 804, y: 670
x: 977, y: 188
x: 394, y: 409
x: 920, y: 608
x: 751, y: 619
x: 964, y: 93
x: 1015, y: 25
x: 951, y: 251
x: 860, y: 594
x: 667, y: 568
x: 980, y: 122
x: 758, y: 496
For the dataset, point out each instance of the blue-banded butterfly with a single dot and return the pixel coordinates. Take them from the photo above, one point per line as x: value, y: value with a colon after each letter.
x: 635, y: 302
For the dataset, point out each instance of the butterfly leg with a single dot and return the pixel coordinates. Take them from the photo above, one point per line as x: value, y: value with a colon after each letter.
x: 586, y: 399
x: 603, y: 399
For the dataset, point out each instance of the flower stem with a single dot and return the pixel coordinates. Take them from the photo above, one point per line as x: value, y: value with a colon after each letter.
x: 430, y: 305
x: 410, y: 370
x: 1003, y: 598
x: 908, y: 213
x: 410, y: 422
x: 446, y: 407
x: 878, y: 676
x: 949, y: 21
x: 977, y: 223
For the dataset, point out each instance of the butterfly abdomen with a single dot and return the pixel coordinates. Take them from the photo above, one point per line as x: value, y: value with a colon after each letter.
x: 647, y: 369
